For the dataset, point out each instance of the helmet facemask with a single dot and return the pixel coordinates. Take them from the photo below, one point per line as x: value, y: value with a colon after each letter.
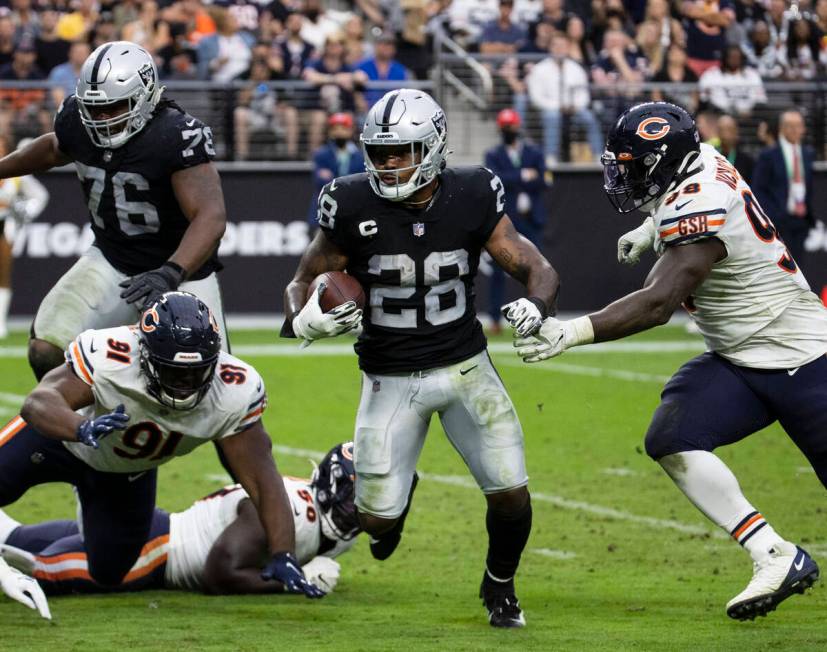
x: 427, y: 157
x: 114, y: 132
x: 335, y: 498
x: 180, y: 384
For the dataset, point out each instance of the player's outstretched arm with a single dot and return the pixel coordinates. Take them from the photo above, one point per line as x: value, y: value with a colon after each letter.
x: 672, y: 280
x: 522, y: 260
x: 236, y: 558
x: 50, y: 407
x: 321, y: 256
x: 39, y: 155
x: 249, y: 455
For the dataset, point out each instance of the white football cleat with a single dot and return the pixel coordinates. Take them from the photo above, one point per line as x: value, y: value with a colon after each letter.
x: 24, y: 589
x: 788, y: 569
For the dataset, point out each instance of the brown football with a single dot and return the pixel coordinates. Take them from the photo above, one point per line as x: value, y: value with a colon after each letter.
x: 339, y: 288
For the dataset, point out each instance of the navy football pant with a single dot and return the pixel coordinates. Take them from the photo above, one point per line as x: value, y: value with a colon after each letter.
x: 711, y: 402
x: 62, y: 565
x: 117, y: 510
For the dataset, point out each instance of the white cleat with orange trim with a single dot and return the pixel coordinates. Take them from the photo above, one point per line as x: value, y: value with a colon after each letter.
x: 787, y: 570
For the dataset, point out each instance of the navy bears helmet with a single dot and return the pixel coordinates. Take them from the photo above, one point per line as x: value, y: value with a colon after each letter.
x: 179, y: 348
x: 651, y: 147
x: 334, y: 482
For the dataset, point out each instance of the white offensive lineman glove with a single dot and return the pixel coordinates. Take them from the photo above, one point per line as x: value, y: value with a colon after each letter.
x: 631, y: 245
x: 313, y: 324
x: 553, y: 338
x: 524, y: 315
x: 323, y: 572
x: 24, y: 589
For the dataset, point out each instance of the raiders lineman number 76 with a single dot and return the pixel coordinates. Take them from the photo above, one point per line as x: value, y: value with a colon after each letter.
x: 411, y: 232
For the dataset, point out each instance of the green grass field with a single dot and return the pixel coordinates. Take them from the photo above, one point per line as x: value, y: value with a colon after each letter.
x: 618, y: 559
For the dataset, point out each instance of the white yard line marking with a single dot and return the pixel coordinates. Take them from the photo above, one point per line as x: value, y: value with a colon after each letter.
x: 554, y: 554
x: 17, y: 399
x: 583, y: 370
x: 621, y: 472
x: 559, y: 501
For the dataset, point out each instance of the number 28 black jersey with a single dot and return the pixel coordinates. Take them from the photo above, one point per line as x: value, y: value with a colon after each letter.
x: 417, y: 266
x: 136, y: 218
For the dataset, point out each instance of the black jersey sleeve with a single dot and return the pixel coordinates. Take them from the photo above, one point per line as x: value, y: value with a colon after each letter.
x: 68, y: 127
x: 332, y: 206
x: 186, y: 141
x: 492, y: 192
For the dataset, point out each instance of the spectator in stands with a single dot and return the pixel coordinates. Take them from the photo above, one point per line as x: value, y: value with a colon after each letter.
x: 669, y: 29
x: 820, y: 19
x: 383, y: 67
x: 760, y: 52
x: 51, y: 49
x: 732, y: 88
x: 502, y: 35
x: 338, y: 86
x: 778, y: 20
x: 556, y: 86
x: 581, y: 48
x: 125, y: 12
x: 148, y: 30
x: 801, y: 55
x: 619, y: 62
x: 189, y: 18
x: 411, y: 26
x: 258, y: 111
x: 706, y: 24
x: 179, y: 63
x: 338, y: 157
x: 64, y: 78
x: 519, y: 164
x: 246, y: 13
x: 650, y: 46
x: 707, y: 123
x: 552, y: 14
x: 26, y: 20
x: 609, y: 15
x: 6, y: 36
x: 541, y: 41
x: 23, y: 111
x: 783, y: 183
x: 728, y: 147
x: 320, y: 23
x: 79, y: 23
x: 468, y: 18
x: 675, y: 71
x: 357, y: 48
x: 295, y: 51
x: 103, y: 30
x: 225, y: 55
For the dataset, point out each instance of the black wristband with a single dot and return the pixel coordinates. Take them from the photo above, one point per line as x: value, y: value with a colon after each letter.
x: 541, y: 306
x: 175, y: 267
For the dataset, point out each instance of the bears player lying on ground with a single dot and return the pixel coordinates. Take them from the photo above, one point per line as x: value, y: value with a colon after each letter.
x: 216, y: 546
x: 169, y: 388
x: 766, y: 332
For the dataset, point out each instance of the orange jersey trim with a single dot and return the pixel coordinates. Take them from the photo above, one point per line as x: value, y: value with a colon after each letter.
x: 11, y: 429
x: 78, y: 359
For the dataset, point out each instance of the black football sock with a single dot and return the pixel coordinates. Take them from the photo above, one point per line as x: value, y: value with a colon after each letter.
x: 507, y: 536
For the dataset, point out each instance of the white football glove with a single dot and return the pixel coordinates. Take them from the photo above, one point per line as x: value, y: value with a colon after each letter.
x: 632, y: 244
x: 523, y: 316
x: 24, y: 589
x: 323, y: 572
x: 553, y: 338
x: 313, y: 324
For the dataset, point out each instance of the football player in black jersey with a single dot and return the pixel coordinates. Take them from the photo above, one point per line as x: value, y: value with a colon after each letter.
x: 154, y: 198
x: 411, y: 231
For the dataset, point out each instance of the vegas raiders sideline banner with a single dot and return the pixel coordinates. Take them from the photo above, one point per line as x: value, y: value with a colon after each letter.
x: 268, y: 231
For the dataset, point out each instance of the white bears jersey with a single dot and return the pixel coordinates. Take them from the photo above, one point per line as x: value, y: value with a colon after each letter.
x: 193, y: 532
x: 108, y: 361
x: 755, y: 308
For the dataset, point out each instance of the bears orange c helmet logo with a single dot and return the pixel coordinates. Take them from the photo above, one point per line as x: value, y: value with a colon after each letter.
x: 653, y: 128
x: 149, y: 320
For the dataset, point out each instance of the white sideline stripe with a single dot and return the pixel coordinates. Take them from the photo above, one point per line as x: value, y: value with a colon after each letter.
x: 582, y: 370
x: 554, y: 554
x: 620, y: 472
x: 325, y: 350
x: 559, y: 501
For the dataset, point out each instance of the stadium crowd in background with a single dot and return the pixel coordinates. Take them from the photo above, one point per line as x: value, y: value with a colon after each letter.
x: 724, y: 49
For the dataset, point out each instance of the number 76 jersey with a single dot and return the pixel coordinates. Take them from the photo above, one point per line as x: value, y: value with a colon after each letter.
x: 417, y: 266
x: 136, y: 218
x: 755, y: 308
x: 108, y: 361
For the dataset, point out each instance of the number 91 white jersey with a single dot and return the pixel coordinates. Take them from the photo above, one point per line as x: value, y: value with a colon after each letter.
x: 755, y: 308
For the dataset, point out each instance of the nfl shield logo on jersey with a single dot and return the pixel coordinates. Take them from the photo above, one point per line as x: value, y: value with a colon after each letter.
x: 418, y: 229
